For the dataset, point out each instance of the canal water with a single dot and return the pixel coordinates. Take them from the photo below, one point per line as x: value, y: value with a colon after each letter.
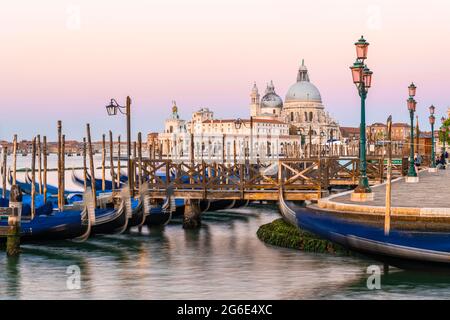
x: 222, y: 260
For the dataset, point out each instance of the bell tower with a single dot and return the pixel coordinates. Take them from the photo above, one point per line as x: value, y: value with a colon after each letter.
x: 254, y: 101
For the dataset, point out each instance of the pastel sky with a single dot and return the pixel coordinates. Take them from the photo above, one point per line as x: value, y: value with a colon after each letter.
x: 66, y: 59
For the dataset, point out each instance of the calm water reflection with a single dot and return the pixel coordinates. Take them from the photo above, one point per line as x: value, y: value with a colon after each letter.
x: 222, y: 260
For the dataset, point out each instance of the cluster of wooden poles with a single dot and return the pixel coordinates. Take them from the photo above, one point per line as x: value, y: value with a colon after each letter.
x: 39, y: 154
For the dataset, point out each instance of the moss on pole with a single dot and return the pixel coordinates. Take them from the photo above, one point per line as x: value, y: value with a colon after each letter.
x: 280, y: 233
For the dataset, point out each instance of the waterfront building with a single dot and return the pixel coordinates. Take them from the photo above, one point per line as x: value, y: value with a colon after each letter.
x: 275, y: 127
x: 253, y: 138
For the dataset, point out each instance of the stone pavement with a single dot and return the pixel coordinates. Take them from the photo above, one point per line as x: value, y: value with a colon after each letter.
x: 429, y: 197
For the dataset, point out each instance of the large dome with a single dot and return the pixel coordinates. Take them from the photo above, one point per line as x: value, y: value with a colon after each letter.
x: 303, y: 90
x: 270, y: 99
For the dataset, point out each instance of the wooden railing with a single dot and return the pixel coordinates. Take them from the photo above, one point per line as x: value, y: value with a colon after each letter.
x: 305, y: 178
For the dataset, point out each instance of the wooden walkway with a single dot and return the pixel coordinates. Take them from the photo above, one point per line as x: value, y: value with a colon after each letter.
x: 299, y: 179
x: 428, y: 198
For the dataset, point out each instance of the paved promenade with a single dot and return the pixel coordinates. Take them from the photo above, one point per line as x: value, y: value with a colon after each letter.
x: 429, y: 197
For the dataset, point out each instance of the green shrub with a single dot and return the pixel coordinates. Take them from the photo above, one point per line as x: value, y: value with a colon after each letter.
x: 282, y: 234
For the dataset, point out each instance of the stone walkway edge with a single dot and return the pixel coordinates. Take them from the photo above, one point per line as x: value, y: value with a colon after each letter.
x: 328, y: 203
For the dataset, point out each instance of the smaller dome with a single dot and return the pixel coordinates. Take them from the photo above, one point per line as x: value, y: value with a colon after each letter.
x: 271, y: 99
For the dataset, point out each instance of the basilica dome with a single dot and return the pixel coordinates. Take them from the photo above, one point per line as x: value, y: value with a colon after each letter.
x: 270, y: 99
x: 303, y: 90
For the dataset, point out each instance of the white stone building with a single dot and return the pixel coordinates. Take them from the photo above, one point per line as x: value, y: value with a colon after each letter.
x: 255, y: 138
x: 275, y: 128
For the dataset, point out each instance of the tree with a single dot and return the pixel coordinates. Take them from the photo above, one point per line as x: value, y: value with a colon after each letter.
x: 444, y: 135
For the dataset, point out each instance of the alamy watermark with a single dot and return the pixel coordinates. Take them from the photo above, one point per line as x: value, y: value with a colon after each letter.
x: 374, y: 280
x: 73, y: 281
x: 73, y: 20
x: 374, y: 19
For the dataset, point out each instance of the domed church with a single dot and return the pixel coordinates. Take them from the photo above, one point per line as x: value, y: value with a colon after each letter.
x: 302, y: 108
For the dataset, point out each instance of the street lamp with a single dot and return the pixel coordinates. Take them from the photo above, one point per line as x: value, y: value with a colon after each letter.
x: 432, y: 121
x: 113, y: 108
x: 411, y: 103
x: 362, y: 78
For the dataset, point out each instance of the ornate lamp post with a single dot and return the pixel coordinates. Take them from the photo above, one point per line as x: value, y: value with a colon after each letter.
x: 411, y: 103
x: 433, y: 156
x: 112, y: 110
x: 362, y: 78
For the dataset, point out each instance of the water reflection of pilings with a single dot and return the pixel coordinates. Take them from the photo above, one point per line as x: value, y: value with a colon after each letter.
x: 62, y: 259
x: 93, y: 246
x: 12, y: 277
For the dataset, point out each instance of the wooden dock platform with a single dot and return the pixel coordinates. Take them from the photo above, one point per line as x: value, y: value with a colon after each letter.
x: 299, y: 179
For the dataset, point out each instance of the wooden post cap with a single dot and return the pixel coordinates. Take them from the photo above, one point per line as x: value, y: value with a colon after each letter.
x: 15, y: 194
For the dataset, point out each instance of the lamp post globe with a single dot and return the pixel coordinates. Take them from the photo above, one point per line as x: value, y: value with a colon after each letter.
x: 432, y: 109
x: 412, y: 90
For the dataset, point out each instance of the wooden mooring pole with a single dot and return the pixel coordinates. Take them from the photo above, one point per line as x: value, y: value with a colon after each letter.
x: 111, y: 159
x: 44, y: 150
x: 60, y: 201
x: 63, y: 170
x: 140, y: 159
x: 118, y: 163
x: 192, y: 214
x: 39, y: 155
x: 33, y: 178
x: 4, y: 161
x: 14, y: 159
x: 13, y: 235
x: 103, y: 163
x: 85, y: 175
x: 91, y: 163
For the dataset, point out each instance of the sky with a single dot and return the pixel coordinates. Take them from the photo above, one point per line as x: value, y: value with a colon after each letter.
x: 64, y: 60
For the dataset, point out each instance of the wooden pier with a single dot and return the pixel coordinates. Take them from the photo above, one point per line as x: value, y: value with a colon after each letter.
x: 300, y: 179
x: 12, y: 231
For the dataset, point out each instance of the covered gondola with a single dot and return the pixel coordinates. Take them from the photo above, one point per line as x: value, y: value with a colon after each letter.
x: 408, y: 249
x: 110, y: 220
x: 49, y: 224
x: 79, y: 181
x: 216, y: 205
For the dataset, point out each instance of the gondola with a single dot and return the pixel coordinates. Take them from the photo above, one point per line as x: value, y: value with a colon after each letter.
x: 25, y: 186
x: 6, y: 193
x: 138, y: 214
x: 216, y: 205
x: 110, y: 220
x: 71, y: 195
x: 158, y: 215
x: 240, y: 204
x: 405, y: 249
x: 49, y: 224
x: 98, y: 182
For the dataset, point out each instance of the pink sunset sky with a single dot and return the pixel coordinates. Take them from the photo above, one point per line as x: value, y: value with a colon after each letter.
x: 66, y: 59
